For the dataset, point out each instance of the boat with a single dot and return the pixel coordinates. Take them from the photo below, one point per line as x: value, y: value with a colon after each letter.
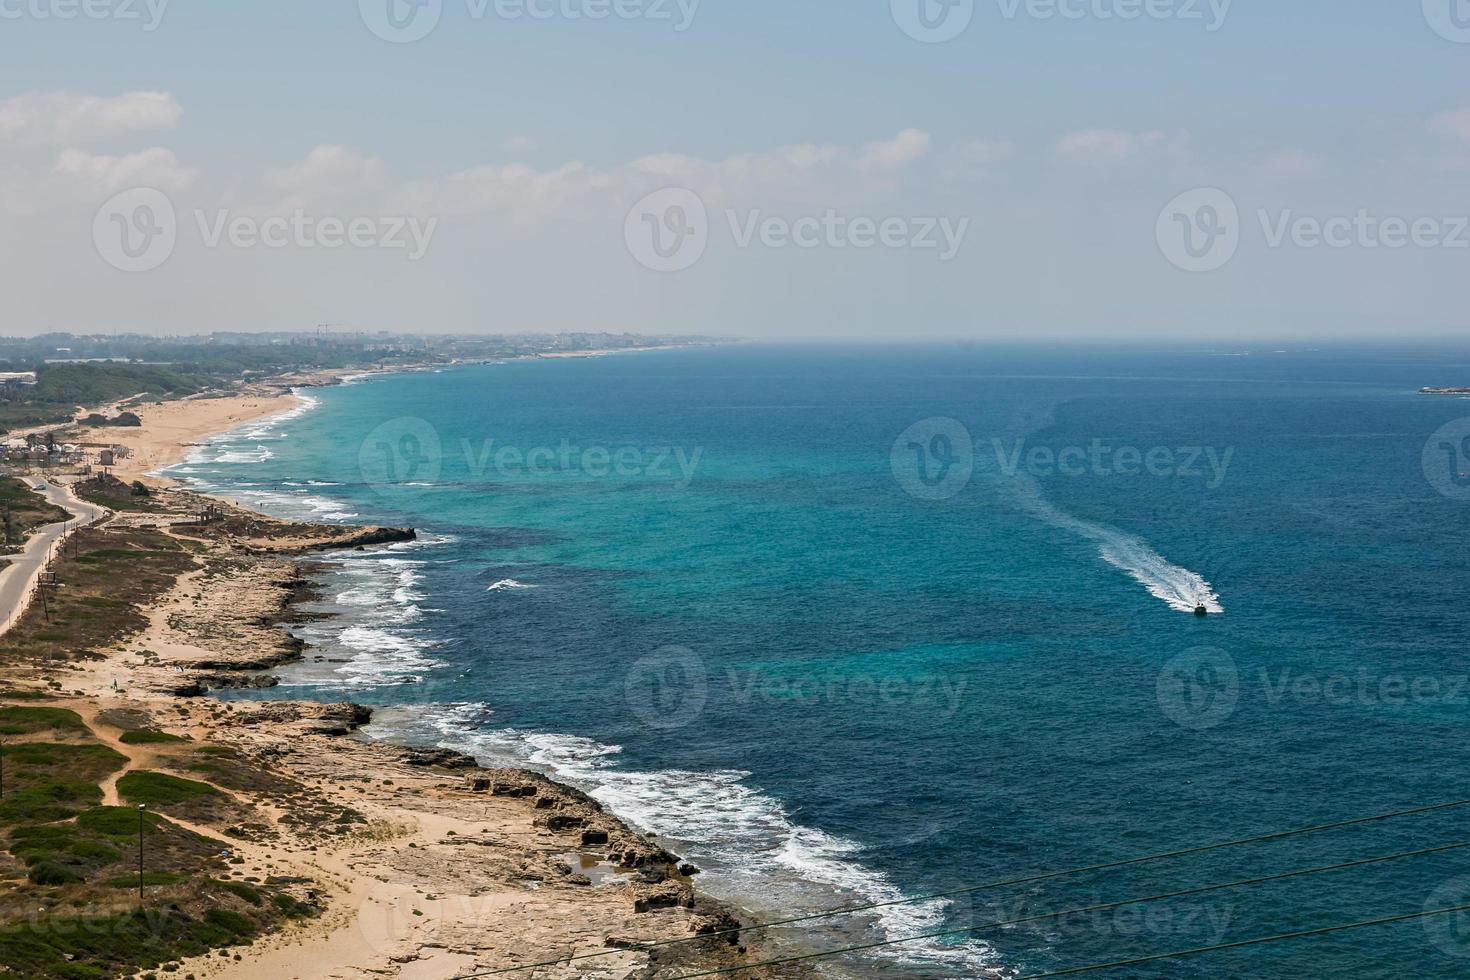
x: 1201, y: 610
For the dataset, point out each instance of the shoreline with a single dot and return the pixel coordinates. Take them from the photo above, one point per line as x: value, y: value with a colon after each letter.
x: 595, y: 883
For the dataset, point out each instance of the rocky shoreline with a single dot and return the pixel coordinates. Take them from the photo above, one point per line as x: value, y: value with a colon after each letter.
x: 600, y: 886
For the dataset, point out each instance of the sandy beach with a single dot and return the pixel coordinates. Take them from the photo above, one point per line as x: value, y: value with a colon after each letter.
x: 413, y: 863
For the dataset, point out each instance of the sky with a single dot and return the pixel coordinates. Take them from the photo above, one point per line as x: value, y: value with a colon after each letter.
x: 1204, y: 170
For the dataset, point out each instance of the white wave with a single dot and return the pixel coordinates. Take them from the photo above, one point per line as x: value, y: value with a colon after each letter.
x: 745, y: 840
x: 257, y: 455
x: 383, y: 656
x: 508, y: 583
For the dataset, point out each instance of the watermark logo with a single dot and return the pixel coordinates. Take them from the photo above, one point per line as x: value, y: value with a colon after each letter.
x: 300, y: 229
x: 1208, y: 464
x: 1210, y: 13
x: 406, y: 21
x: 668, y: 230
x: 149, y: 13
x: 1449, y: 931
x: 668, y: 689
x: 136, y: 230
x: 1450, y: 19
x: 933, y: 21
x: 401, y: 452
x: 933, y: 459
x: 1447, y: 460
x: 401, y: 21
x: 1199, y: 688
x: 1199, y: 231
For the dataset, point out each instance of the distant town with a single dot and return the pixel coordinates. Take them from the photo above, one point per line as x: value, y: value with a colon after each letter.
x: 48, y: 382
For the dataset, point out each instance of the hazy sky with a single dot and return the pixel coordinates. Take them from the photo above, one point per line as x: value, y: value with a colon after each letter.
x: 1197, y: 169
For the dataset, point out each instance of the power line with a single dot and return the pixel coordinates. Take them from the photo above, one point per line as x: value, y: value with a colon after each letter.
x: 1260, y: 940
x: 948, y: 933
x: 1029, y: 879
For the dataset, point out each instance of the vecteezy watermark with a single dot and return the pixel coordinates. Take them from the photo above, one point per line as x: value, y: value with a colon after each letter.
x: 301, y: 229
x: 1098, y: 917
x: 933, y: 459
x: 1202, y: 688
x: 1199, y: 688
x: 675, y: 464
x: 667, y: 689
x: 1447, y: 460
x: 669, y: 231
x: 137, y: 230
x: 1201, y: 230
x: 401, y: 451
x: 937, y: 21
x: 1098, y: 458
x: 933, y: 21
x: 147, y: 13
x: 673, y: 687
x: 406, y: 21
x: 409, y: 452
x: 1450, y: 19
x: 1449, y: 932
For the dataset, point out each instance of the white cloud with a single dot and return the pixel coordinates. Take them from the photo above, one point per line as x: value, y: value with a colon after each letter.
x: 905, y: 148
x: 1112, y: 145
x: 1454, y: 123
x: 156, y: 167
x: 1291, y: 165
x: 330, y: 168
x: 37, y: 119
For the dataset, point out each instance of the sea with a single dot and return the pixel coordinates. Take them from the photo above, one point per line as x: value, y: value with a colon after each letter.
x: 856, y: 625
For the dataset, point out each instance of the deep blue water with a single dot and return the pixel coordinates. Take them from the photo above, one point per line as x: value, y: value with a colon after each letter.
x: 712, y: 599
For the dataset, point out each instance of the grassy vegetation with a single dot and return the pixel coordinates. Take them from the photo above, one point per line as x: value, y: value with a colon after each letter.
x: 28, y: 511
x: 178, y: 369
x: 160, y: 789
x: 110, y: 492
x: 145, y: 736
x: 27, y: 720
x: 106, y: 581
x: 68, y: 866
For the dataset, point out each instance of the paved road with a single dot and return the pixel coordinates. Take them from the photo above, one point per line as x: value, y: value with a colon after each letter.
x: 19, y: 577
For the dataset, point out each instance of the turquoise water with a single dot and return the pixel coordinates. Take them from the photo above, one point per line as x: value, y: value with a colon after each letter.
x: 767, y: 603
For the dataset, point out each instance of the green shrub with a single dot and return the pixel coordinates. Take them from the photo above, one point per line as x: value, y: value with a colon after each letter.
x: 151, y: 879
x: 17, y: 720
x: 52, y: 873
x: 160, y: 789
x: 47, y: 802
x: 144, y: 736
x: 232, y: 922
x: 115, y: 821
x: 241, y: 890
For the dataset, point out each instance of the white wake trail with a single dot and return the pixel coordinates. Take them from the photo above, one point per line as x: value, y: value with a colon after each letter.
x: 1182, y: 589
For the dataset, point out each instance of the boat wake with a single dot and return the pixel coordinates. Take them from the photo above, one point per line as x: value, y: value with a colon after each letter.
x: 1181, y: 589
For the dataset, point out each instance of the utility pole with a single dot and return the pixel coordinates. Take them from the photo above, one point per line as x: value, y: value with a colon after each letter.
x: 2, y: 768
x: 142, y: 809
